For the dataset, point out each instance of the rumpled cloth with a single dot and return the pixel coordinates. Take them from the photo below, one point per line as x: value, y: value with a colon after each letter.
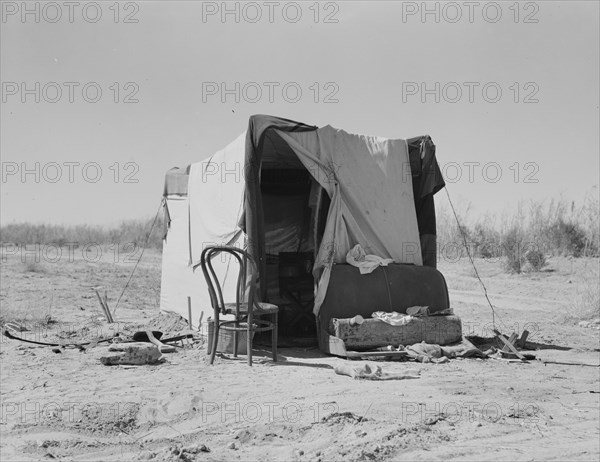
x: 426, y: 349
x: 393, y: 318
x: 373, y: 372
x: 427, y: 352
x: 356, y: 256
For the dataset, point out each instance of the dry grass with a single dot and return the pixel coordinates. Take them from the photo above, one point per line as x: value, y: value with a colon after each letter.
x: 525, y: 239
x: 34, y: 317
x: 586, y: 304
x: 534, y: 232
x: 127, y: 233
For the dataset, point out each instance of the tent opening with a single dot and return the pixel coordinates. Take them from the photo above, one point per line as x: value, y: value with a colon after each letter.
x: 295, y: 209
x: 292, y: 202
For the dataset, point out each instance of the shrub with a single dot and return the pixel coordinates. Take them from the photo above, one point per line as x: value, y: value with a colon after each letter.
x: 568, y: 238
x: 535, y: 230
x: 512, y: 244
x: 487, y: 240
x: 536, y: 259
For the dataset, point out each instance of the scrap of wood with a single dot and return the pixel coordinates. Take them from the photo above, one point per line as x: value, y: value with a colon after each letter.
x: 509, y: 355
x: 110, y: 318
x: 101, y: 303
x: 569, y: 364
x: 104, y: 306
x: 510, y: 346
x: 177, y: 338
x: 522, y: 341
x: 512, y: 339
x: 161, y: 346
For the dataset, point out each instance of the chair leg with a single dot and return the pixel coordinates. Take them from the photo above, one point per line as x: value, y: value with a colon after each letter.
x: 235, y: 339
x: 274, y: 338
x: 249, y: 333
x: 215, y: 339
x: 209, y: 343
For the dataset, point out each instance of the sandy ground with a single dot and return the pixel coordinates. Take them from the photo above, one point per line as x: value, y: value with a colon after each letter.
x: 68, y: 406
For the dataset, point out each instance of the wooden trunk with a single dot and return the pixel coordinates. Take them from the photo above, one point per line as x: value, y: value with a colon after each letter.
x: 374, y: 333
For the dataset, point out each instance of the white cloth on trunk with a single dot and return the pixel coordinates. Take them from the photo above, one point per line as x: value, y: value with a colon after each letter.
x: 356, y: 256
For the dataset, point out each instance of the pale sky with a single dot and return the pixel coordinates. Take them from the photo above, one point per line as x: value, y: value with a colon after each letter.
x: 375, y: 61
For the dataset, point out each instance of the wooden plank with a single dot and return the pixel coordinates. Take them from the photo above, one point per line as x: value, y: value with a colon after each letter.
x: 510, y: 355
x: 512, y: 339
x: 510, y: 346
x: 523, y: 340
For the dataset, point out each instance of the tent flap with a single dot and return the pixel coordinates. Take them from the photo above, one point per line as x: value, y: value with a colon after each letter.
x: 372, y: 200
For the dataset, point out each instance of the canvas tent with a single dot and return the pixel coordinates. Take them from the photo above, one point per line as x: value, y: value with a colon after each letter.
x: 285, y: 188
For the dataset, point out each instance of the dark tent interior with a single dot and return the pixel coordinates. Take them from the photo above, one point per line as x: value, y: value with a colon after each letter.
x: 295, y: 209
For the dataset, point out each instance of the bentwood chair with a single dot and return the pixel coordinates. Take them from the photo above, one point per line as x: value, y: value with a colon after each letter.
x: 247, y: 311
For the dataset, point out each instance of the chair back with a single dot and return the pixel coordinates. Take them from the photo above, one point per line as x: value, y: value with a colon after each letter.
x: 246, y: 268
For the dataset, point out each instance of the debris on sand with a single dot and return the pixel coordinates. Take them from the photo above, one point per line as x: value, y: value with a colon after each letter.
x: 136, y: 354
x: 372, y: 372
x: 169, y: 323
x: 343, y: 418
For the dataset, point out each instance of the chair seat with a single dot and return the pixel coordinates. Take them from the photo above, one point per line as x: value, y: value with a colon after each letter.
x: 263, y: 308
